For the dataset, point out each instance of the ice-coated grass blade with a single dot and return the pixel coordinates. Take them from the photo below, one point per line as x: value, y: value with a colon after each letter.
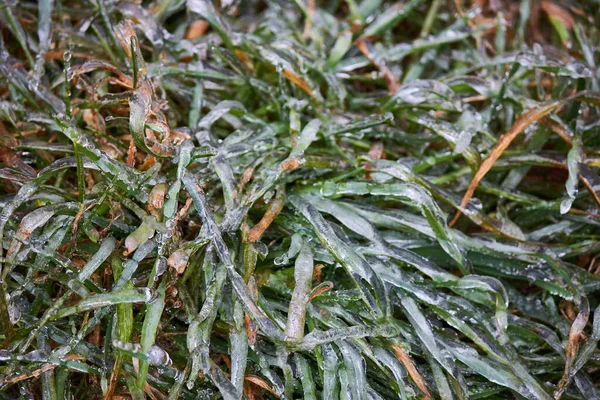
x: 303, y: 272
x: 269, y: 328
x: 136, y: 295
x: 154, y: 309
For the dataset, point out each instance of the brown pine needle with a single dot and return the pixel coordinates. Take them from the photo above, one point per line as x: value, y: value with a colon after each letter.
x: 519, y: 126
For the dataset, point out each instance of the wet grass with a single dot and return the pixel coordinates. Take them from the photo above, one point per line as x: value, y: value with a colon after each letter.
x: 346, y: 199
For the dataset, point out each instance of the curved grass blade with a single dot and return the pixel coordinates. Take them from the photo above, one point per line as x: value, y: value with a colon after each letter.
x: 502, y: 144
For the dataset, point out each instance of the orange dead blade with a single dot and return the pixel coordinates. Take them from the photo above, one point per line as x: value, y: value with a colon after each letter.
x: 519, y: 126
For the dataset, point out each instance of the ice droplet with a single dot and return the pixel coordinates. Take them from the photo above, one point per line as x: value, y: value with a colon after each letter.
x: 161, y: 267
x: 565, y: 205
x: 35, y: 355
x: 4, y: 355
x: 157, y: 356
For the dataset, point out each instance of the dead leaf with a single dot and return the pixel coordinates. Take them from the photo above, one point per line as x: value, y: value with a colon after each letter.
x: 246, y: 176
x: 178, y: 260
x: 196, y: 29
x: 298, y: 81
x: 251, y: 328
x: 556, y: 11
x: 271, y: 213
x: 392, y: 81
x: 243, y: 57
x: 290, y: 164
x: 131, y: 154
x: 575, y: 337
x: 45, y: 368
x: 257, y: 380
x: 404, y: 358
x: 327, y: 286
x: 311, y: 8
x: 156, y: 200
x: 376, y: 153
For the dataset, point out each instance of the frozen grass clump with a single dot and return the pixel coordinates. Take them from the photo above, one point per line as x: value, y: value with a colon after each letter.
x: 309, y: 199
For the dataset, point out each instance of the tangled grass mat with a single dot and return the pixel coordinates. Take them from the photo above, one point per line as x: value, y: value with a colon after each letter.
x: 310, y: 199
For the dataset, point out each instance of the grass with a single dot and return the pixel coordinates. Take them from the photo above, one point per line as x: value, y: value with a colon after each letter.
x: 346, y: 199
